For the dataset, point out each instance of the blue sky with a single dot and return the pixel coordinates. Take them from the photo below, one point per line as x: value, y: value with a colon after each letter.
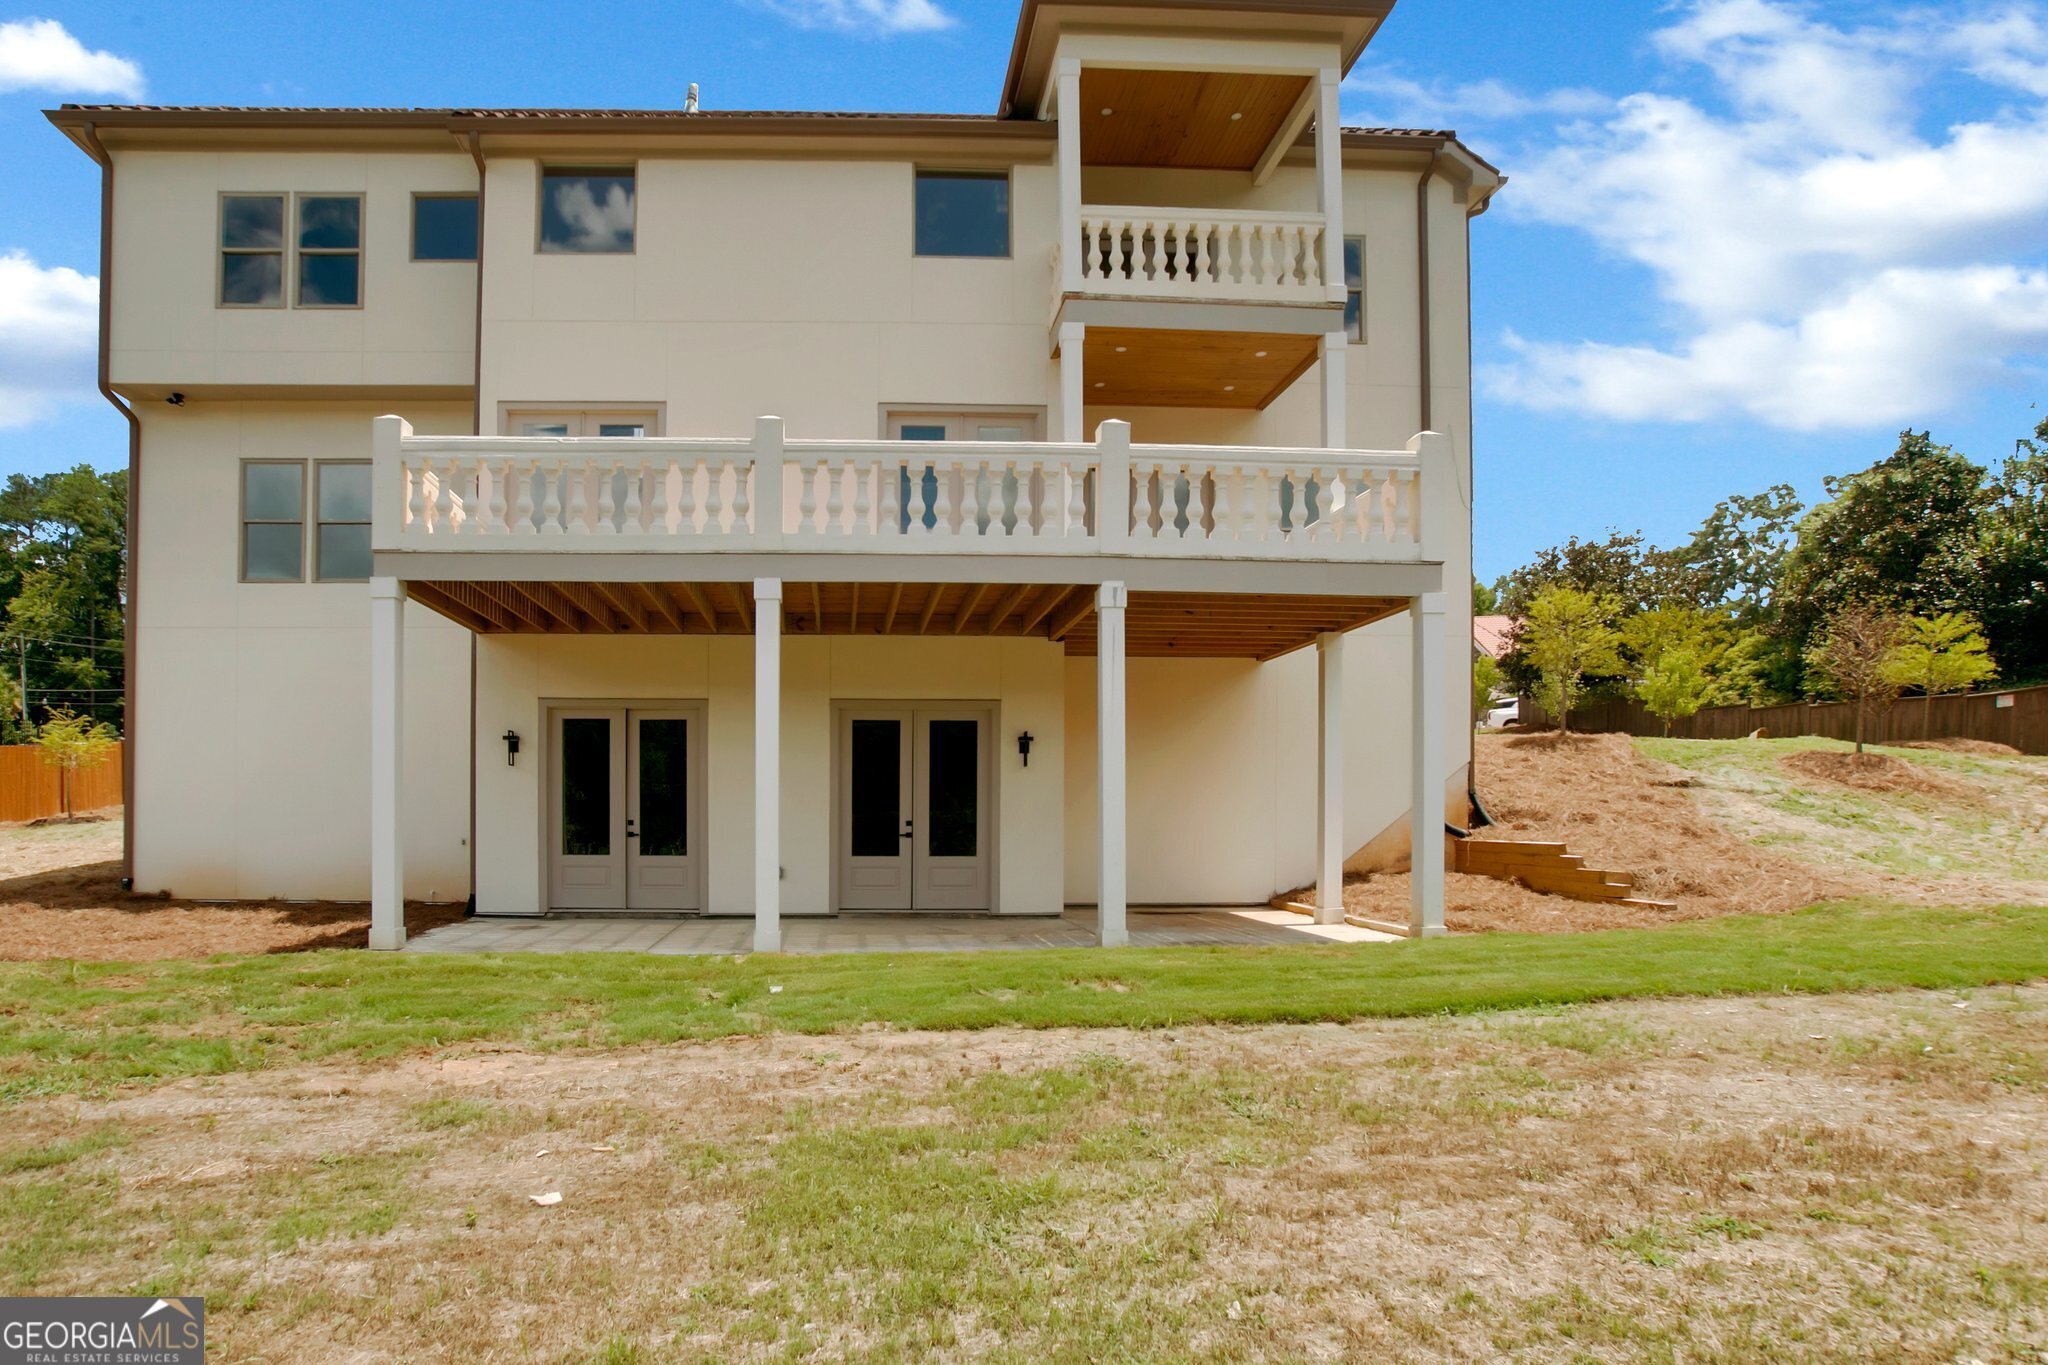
x: 1746, y: 241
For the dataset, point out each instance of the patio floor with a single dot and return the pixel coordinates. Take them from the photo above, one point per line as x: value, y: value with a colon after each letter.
x: 909, y: 933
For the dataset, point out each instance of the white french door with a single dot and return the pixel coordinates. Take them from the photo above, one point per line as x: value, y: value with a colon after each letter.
x: 625, y: 808
x: 914, y: 828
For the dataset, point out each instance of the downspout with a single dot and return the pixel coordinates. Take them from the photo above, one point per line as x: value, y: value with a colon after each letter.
x: 98, y: 151
x: 1481, y: 816
x: 476, y: 154
x: 1422, y: 287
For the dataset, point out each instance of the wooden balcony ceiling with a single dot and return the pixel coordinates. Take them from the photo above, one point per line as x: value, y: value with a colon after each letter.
x: 1145, y: 367
x: 1190, y: 119
x: 1157, y: 624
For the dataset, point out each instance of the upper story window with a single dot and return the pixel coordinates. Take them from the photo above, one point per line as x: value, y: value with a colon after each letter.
x: 587, y: 210
x: 444, y: 227
x: 330, y: 251
x: 1354, y: 288
x: 273, y: 521
x: 252, y: 251
x: 923, y: 424
x: 582, y: 421
x: 963, y: 213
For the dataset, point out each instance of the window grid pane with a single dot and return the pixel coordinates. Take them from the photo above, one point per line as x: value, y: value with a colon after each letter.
x: 341, y: 541
x: 444, y: 227
x: 963, y: 213
x: 587, y: 211
x: 1354, y: 288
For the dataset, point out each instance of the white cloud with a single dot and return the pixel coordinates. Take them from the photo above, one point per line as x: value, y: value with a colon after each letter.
x: 38, y: 54
x: 595, y: 225
x: 1386, y: 99
x: 49, y: 335
x: 870, y: 17
x: 1826, y: 264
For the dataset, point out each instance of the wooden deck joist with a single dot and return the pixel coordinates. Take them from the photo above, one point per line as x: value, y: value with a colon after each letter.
x: 1156, y: 625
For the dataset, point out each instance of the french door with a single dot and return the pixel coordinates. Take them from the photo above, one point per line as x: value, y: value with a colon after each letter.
x: 625, y: 808
x: 913, y: 825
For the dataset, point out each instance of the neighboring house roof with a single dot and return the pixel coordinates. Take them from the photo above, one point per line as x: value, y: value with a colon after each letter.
x: 1493, y: 635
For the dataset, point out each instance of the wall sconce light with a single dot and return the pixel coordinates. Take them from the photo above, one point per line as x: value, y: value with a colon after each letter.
x: 1024, y: 747
x: 511, y: 747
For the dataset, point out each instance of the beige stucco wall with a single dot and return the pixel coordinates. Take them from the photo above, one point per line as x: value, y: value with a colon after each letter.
x: 252, y: 765
x: 519, y: 676
x: 417, y: 322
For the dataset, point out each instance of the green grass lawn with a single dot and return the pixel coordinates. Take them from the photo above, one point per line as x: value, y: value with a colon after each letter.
x: 77, y: 1027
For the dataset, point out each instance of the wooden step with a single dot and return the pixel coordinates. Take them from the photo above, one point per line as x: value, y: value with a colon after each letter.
x: 1547, y: 867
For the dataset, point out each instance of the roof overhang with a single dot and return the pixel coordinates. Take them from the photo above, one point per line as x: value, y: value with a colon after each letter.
x: 1351, y: 23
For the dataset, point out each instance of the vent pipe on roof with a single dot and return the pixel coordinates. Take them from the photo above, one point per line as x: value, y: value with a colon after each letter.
x: 690, y: 100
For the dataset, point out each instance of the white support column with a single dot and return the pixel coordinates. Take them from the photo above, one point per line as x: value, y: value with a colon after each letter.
x: 387, y: 763
x: 1110, y: 601
x: 1426, y: 767
x: 767, y: 765
x: 1330, y: 180
x: 1335, y: 346
x: 1073, y: 396
x: 1067, y: 110
x: 1330, y: 778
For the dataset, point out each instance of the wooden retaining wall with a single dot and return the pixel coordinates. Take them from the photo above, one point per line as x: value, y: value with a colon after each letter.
x: 30, y: 790
x: 2017, y: 716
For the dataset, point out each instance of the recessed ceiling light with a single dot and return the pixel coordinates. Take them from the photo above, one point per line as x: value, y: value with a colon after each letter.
x: 1235, y: 117
x: 1230, y: 388
x: 1099, y: 384
x: 1121, y: 349
x: 1260, y: 354
x: 1107, y: 112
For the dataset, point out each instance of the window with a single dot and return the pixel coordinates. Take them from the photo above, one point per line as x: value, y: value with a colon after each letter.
x: 918, y: 424
x: 963, y: 213
x: 252, y: 251
x: 341, y: 507
x: 273, y: 521
x: 581, y: 421
x: 330, y: 251
x: 1354, y: 288
x: 444, y: 227
x: 586, y: 210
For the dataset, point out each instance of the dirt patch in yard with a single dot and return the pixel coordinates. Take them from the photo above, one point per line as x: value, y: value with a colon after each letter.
x: 1858, y: 1174
x: 1963, y: 746
x: 61, y: 897
x: 1878, y: 773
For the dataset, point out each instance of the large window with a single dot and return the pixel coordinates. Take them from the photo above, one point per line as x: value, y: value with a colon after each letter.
x: 587, y: 210
x: 1354, y: 288
x: 523, y: 421
x: 341, y: 535
x: 273, y: 521
x: 444, y: 227
x: 330, y: 251
x: 963, y: 213
x: 252, y: 251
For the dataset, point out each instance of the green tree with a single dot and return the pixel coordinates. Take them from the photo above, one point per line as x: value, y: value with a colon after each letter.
x: 1485, y: 600
x: 2011, y: 596
x: 1945, y: 653
x: 71, y: 744
x: 1568, y: 633
x: 1618, y: 569
x: 62, y: 587
x: 1902, y: 534
x: 1737, y: 555
x: 1485, y: 681
x: 1853, y: 656
x: 1677, y: 685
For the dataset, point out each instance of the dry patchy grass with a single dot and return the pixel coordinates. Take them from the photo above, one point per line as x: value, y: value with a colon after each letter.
x: 1714, y: 1180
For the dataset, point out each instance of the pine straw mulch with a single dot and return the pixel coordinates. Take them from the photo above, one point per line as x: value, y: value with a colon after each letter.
x: 1964, y: 746
x: 52, y: 911
x: 1622, y: 812
x: 1880, y: 773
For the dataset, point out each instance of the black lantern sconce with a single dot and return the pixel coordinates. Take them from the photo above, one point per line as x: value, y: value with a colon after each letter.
x: 1024, y: 747
x: 511, y: 747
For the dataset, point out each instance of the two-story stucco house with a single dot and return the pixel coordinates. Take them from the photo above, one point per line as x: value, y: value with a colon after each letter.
x: 775, y: 514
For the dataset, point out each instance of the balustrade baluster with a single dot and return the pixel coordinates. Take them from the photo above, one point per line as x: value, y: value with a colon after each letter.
x: 1413, y: 484
x: 606, y: 523
x: 890, y: 476
x: 1198, y: 505
x: 636, y: 501
x: 1223, y: 503
x: 577, y: 513
x: 444, y: 498
x: 943, y: 506
x: 1201, y: 271
x: 493, y: 519
x: 520, y: 494
x: 742, y: 504
x: 1141, y: 499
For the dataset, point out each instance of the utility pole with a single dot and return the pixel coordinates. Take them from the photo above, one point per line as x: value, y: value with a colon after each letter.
x: 22, y: 641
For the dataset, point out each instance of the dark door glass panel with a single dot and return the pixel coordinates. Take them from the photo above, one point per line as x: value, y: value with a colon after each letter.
x: 955, y: 816
x: 876, y: 791
x: 444, y: 228
x: 963, y: 213
x: 664, y: 788
x: 586, y: 786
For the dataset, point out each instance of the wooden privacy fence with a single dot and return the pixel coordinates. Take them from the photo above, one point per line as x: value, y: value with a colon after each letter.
x: 2017, y: 716
x: 31, y: 789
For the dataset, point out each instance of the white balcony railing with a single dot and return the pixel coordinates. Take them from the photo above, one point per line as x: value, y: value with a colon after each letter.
x: 1196, y: 253
x: 659, y: 495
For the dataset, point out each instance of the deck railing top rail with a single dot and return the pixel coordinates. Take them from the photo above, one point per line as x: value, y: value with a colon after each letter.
x: 696, y: 495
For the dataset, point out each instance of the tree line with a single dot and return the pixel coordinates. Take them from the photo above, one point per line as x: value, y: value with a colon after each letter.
x: 62, y: 590
x: 1924, y: 573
